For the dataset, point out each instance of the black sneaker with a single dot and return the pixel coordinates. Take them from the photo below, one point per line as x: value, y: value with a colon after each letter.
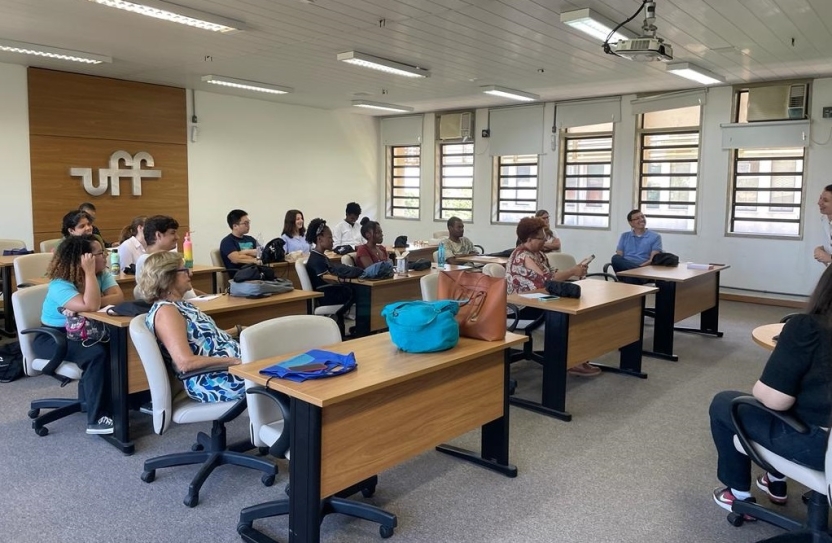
x: 777, y: 490
x: 103, y: 426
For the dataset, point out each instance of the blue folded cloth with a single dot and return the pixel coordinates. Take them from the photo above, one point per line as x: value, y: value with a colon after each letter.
x: 313, y: 364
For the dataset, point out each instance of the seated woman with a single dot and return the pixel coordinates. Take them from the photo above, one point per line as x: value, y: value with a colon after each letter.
x: 319, y: 237
x: 552, y: 240
x: 797, y: 378
x: 528, y: 269
x: 190, y: 338
x: 131, y: 242
x: 373, y: 251
x: 79, y: 281
x: 294, y: 232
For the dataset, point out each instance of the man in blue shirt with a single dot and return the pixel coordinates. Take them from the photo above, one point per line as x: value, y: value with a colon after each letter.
x: 238, y: 248
x: 637, y: 247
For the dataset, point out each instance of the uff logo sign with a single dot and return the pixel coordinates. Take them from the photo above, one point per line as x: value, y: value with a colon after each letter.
x: 123, y: 165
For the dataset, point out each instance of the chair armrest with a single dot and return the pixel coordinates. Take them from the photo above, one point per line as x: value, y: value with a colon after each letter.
x: 24, y: 285
x: 513, y: 309
x: 606, y: 276
x: 58, y: 356
x: 481, y: 249
x: 752, y: 402
x: 200, y: 371
x: 339, y: 288
x: 280, y: 447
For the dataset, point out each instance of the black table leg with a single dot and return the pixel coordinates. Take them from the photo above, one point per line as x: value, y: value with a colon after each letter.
x: 119, y: 397
x: 9, y: 328
x: 663, y: 323
x: 305, y: 473
x: 363, y: 299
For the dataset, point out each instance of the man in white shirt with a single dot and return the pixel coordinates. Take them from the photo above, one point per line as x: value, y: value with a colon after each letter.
x: 348, y: 231
x: 160, y: 235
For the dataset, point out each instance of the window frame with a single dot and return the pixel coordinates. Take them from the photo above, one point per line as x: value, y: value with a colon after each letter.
x: 497, y: 178
x: 563, y: 139
x: 391, y: 186
x: 440, y: 177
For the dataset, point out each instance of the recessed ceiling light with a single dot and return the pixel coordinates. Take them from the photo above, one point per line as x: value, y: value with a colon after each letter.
x: 504, y: 92
x: 694, y: 73
x: 246, y: 85
x: 51, y: 52
x: 382, y: 64
x: 597, y: 26
x: 381, y: 106
x: 159, y: 9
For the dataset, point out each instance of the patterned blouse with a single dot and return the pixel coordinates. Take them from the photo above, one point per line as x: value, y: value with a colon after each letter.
x: 521, y: 279
x: 205, y: 339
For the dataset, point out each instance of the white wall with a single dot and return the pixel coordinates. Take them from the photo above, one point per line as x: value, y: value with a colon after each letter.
x: 761, y: 264
x: 15, y: 174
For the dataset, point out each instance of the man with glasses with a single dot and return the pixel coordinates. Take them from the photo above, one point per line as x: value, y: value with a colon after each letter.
x: 238, y: 248
x: 637, y: 247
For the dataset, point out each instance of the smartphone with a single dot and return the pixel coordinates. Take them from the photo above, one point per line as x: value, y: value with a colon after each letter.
x: 586, y: 261
x: 315, y: 366
x: 548, y: 298
x: 258, y: 296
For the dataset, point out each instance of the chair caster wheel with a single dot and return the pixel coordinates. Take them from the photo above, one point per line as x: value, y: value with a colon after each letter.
x: 262, y: 451
x: 33, y: 413
x: 196, y: 447
x: 368, y: 491
x: 735, y: 519
x: 42, y: 431
x: 149, y: 476
x: 286, y: 489
x: 386, y: 531
x: 267, y: 480
x: 191, y: 500
x: 244, y: 526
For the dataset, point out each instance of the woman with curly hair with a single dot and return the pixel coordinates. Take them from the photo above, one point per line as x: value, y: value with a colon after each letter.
x: 79, y: 281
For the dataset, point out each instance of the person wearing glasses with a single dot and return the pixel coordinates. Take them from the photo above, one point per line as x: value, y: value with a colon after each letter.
x: 79, y: 281
x: 189, y: 338
x: 552, y: 239
x: 823, y: 252
x: 528, y: 269
x: 637, y: 247
x: 238, y: 248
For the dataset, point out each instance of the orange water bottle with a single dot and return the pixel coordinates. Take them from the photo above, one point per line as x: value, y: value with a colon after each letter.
x: 188, y: 249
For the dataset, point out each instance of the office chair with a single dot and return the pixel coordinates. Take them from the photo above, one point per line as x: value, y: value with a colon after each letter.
x: 49, y: 245
x: 8, y: 244
x: 815, y: 529
x: 335, y: 312
x: 222, y: 277
x: 429, y: 284
x: 27, y: 304
x: 28, y: 267
x: 269, y: 414
x: 348, y: 259
x: 170, y: 404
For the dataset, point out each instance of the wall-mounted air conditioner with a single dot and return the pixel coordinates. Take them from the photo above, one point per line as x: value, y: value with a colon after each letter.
x: 778, y: 102
x: 456, y: 126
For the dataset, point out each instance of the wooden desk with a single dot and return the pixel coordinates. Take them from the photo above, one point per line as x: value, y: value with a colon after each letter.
x: 607, y: 316
x: 127, y: 374
x: 682, y: 294
x: 7, y: 276
x: 394, y: 406
x: 764, y: 335
x: 483, y: 259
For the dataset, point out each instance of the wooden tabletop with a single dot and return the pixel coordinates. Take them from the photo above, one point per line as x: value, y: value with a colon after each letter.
x: 223, y: 303
x: 411, y: 275
x: 380, y: 364
x: 7, y: 261
x: 483, y: 259
x: 676, y: 274
x: 764, y: 335
x: 594, y: 294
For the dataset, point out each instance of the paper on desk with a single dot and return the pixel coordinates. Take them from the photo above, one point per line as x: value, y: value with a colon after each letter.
x: 204, y: 298
x: 694, y: 266
x: 105, y: 308
x: 536, y: 295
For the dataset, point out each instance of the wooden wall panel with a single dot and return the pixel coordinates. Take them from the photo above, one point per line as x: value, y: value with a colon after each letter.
x: 78, y: 121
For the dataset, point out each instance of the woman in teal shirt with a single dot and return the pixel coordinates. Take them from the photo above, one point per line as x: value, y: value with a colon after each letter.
x: 79, y: 281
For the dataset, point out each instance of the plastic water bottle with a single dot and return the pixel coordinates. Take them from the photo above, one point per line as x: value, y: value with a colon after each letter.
x: 259, y: 246
x: 440, y: 257
x: 188, y: 250
x: 115, y: 266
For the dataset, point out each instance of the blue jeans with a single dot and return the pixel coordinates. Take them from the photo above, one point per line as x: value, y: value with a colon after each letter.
x: 733, y: 467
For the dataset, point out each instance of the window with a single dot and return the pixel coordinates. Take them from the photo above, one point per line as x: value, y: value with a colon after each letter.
x: 515, y: 187
x: 669, y: 167
x: 586, y: 159
x: 403, y: 177
x: 456, y: 181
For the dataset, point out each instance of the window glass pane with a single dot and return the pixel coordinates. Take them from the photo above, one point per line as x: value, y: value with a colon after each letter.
x: 403, y: 181
x: 456, y: 181
x: 516, y: 187
x: 586, y: 167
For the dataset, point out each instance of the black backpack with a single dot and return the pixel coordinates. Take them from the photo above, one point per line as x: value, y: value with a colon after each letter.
x: 665, y: 259
x: 253, y: 272
x: 274, y: 251
x: 11, y: 362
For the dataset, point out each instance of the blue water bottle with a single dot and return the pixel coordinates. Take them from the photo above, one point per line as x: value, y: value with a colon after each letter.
x: 440, y: 257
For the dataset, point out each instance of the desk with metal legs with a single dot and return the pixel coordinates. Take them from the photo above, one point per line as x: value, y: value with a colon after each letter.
x: 395, y: 405
x: 7, y: 275
x: 607, y: 316
x: 682, y: 294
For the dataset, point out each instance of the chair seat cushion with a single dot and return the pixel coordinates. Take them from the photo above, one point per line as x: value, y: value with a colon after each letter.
x: 187, y: 410
x: 811, y: 478
x: 66, y: 369
x: 327, y: 309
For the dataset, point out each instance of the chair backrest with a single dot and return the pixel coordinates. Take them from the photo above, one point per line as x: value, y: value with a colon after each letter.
x: 435, y: 256
x: 440, y: 234
x: 561, y: 261
x: 49, y: 245
x: 6, y: 244
x: 27, y: 304
x: 348, y: 259
x: 430, y: 287
x: 275, y: 337
x: 303, y: 275
x: 158, y: 375
x: 828, y: 468
x: 494, y: 270
x: 28, y: 267
x: 222, y: 277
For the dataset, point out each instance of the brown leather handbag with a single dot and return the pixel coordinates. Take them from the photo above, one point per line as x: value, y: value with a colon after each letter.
x: 482, y: 311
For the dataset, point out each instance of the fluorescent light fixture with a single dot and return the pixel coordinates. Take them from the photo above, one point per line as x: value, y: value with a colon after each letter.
x: 503, y: 92
x: 174, y: 13
x: 694, y: 73
x: 382, y: 64
x: 245, y: 85
x: 51, y: 52
x: 381, y: 106
x: 597, y: 26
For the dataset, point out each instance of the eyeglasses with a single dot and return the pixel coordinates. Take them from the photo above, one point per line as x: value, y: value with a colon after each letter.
x: 540, y: 238
x: 183, y: 270
x: 99, y: 253
x: 245, y: 223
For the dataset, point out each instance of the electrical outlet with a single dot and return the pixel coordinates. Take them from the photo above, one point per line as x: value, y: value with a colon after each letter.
x: 486, y: 133
x: 827, y: 113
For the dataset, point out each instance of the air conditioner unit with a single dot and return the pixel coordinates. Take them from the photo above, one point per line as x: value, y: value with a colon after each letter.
x: 644, y: 49
x: 456, y: 126
x: 777, y: 102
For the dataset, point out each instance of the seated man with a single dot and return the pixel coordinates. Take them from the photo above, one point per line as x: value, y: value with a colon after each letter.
x: 238, y: 248
x: 457, y: 244
x: 160, y: 235
x: 348, y: 231
x: 89, y: 209
x: 637, y: 247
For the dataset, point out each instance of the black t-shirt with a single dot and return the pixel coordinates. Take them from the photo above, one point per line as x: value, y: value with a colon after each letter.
x: 231, y: 244
x: 317, y: 265
x: 801, y: 366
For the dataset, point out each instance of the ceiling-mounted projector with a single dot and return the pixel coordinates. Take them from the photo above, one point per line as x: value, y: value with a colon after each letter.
x: 645, y: 49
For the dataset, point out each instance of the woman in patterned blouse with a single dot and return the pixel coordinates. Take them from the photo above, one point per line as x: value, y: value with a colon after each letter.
x: 189, y: 337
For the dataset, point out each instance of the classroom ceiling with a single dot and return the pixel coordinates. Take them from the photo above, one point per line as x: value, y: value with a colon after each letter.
x: 465, y: 44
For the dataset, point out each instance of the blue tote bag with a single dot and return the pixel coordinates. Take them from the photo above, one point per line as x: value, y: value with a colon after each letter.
x: 423, y: 327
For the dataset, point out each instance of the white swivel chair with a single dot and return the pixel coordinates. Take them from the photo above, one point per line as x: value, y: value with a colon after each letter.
x: 815, y: 528
x: 430, y: 286
x: 28, y: 267
x: 269, y: 414
x: 348, y: 259
x: 494, y: 270
x: 49, y: 245
x: 172, y: 404
x: 9, y: 244
x: 336, y: 312
x: 27, y: 304
x: 222, y: 277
